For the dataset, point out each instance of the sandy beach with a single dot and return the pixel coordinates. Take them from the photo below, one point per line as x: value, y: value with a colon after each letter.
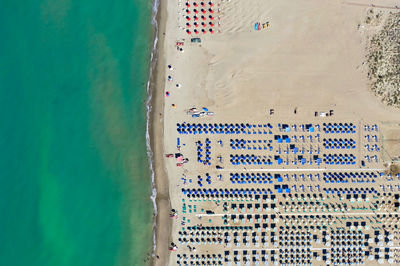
x: 163, y: 221
x: 260, y: 63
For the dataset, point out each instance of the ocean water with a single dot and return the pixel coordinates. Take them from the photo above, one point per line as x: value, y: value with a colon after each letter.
x: 75, y: 181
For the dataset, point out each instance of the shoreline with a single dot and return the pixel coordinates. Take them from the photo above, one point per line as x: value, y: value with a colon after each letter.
x: 153, y: 62
x: 156, y: 129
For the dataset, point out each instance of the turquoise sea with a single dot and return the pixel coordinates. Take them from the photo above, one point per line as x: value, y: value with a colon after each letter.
x: 75, y: 181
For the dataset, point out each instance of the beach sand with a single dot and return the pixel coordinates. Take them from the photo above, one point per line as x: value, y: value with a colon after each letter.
x: 163, y: 222
x: 310, y: 58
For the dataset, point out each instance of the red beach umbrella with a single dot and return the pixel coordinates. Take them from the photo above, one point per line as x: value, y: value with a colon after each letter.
x: 188, y: 11
x: 202, y: 10
x: 196, y: 11
x: 188, y: 25
x: 188, y: 18
x: 204, y: 31
x: 196, y: 24
x: 202, y: 4
x: 195, y: 4
x: 203, y: 17
x: 210, y: 3
x: 211, y: 17
x: 187, y: 4
x: 203, y: 24
x: 212, y: 31
x: 211, y: 11
x: 196, y: 31
x: 211, y: 24
x: 196, y: 18
x: 188, y: 32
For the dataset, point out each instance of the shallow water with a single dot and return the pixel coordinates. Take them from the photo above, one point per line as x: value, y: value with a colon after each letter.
x: 74, y: 175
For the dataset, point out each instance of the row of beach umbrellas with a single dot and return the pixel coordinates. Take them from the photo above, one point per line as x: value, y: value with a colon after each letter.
x: 339, y: 159
x: 339, y: 125
x: 338, y: 128
x: 204, y: 31
x: 351, y: 190
x: 222, y: 131
x: 238, y: 160
x: 203, y: 24
x: 339, y: 143
x: 254, y: 180
x: 244, y: 141
x: 225, y: 191
x: 350, y: 174
x: 220, y: 125
x: 196, y: 4
x: 250, y: 159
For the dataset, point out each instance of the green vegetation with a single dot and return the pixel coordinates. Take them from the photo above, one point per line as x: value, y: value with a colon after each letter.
x: 384, y: 61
